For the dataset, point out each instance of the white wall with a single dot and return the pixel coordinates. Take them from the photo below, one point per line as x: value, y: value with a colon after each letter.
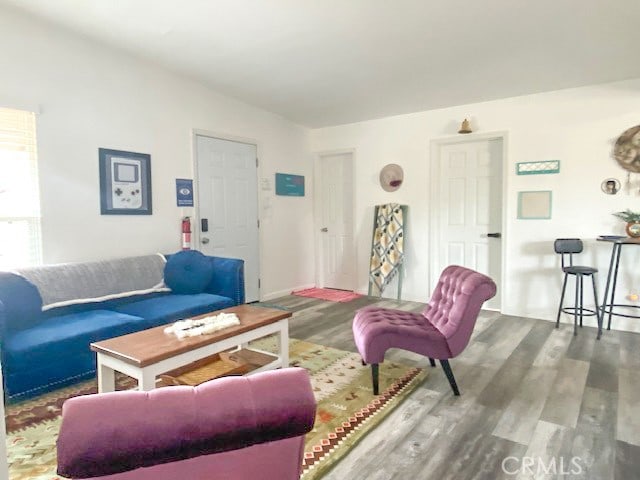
x: 576, y: 126
x: 91, y: 96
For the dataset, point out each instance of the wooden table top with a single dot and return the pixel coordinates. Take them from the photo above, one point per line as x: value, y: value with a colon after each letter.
x: 153, y: 345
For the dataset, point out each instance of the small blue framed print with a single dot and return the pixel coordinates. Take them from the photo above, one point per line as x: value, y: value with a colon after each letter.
x: 289, y: 185
x: 184, y: 192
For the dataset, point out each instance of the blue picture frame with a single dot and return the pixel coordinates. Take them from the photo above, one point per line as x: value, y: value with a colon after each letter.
x: 125, y: 182
x: 289, y: 185
x: 184, y: 192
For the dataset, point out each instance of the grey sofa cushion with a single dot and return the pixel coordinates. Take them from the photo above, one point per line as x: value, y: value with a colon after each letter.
x: 74, y: 283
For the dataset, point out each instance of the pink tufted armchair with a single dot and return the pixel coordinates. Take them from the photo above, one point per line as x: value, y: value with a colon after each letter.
x: 441, y: 331
x: 233, y: 428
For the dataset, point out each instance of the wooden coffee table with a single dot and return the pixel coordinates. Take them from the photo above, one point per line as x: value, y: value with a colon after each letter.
x: 145, y: 355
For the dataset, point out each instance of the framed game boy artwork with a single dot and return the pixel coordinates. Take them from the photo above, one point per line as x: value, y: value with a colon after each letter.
x: 125, y: 183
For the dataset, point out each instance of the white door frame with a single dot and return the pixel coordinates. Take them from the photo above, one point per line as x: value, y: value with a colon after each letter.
x: 317, y: 214
x: 435, y: 201
x: 195, y: 240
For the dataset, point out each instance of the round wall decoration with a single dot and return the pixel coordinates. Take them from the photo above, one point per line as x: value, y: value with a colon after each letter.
x: 627, y: 149
x: 391, y: 177
x: 610, y: 186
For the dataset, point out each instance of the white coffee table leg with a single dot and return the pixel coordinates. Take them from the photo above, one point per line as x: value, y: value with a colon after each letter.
x: 284, y: 342
x: 146, y: 381
x: 106, y: 377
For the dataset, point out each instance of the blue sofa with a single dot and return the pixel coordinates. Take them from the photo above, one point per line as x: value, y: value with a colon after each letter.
x: 49, y: 315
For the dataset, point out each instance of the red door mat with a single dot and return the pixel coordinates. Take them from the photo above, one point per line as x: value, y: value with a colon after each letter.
x: 328, y: 294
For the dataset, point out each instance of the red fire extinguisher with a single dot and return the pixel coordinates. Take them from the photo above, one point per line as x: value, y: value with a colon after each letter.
x: 186, y: 233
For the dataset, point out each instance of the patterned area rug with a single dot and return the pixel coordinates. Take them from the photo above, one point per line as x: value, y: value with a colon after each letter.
x: 347, y: 410
x: 329, y: 294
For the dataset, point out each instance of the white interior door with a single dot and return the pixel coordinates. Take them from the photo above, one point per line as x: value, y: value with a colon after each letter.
x: 228, y: 202
x: 470, y: 213
x: 336, y: 222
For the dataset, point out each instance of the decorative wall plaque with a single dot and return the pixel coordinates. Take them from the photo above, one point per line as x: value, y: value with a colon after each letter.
x: 538, y: 168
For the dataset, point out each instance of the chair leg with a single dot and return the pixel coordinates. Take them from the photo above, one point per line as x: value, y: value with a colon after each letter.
x: 374, y: 378
x: 564, y: 287
x: 449, y: 373
x: 581, y: 298
x: 432, y: 362
x: 575, y: 307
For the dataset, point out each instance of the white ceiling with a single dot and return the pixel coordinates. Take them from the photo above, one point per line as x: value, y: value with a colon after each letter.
x: 328, y: 62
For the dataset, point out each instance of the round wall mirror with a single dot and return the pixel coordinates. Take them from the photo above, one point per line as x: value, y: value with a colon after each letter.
x: 610, y: 186
x: 627, y: 149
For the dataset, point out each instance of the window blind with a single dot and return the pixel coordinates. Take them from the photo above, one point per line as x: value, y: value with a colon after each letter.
x: 20, y: 242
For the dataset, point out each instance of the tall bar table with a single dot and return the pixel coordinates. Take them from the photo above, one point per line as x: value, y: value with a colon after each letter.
x: 607, y: 306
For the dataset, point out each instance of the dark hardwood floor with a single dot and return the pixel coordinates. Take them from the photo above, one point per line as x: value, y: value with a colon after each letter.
x: 536, y: 399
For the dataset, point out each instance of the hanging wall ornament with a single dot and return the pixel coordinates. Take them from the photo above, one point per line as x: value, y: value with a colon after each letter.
x: 391, y: 177
x: 627, y: 149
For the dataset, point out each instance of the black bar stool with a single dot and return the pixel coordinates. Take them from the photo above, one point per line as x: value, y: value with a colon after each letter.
x: 567, y: 248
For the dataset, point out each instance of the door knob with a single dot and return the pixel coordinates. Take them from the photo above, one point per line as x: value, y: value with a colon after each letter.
x: 494, y: 235
x: 204, y: 240
x: 324, y: 229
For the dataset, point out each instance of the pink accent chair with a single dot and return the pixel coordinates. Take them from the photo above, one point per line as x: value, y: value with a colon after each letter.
x: 235, y: 428
x: 441, y: 331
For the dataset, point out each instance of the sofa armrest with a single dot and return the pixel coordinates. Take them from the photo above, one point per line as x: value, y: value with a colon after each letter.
x: 21, y: 303
x: 3, y: 329
x: 228, y: 278
x: 115, y: 432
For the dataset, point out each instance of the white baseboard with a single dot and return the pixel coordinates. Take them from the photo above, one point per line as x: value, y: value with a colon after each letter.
x: 282, y: 293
